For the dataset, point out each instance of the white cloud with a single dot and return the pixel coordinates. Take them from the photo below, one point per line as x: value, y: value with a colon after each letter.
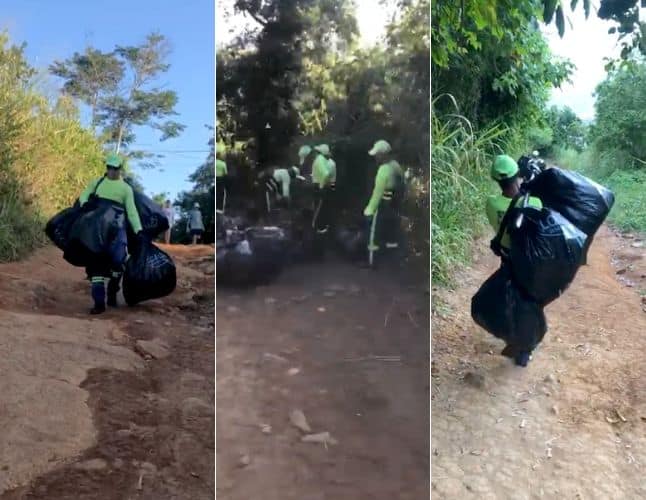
x: 586, y: 43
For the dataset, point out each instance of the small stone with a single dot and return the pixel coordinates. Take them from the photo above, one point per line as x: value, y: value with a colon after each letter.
x: 298, y: 420
x: 321, y: 309
x: 270, y: 300
x: 148, y: 467
x: 244, y: 461
x: 118, y: 463
x: 232, y: 309
x: 293, y: 371
x: 140, y: 322
x: 265, y: 429
x: 550, y: 379
x: 322, y: 437
x: 167, y: 323
x: 155, y: 348
x: 637, y: 244
x: 92, y: 465
x: 329, y: 294
x: 555, y: 410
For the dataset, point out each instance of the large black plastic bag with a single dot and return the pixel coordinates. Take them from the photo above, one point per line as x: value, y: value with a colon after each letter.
x: 58, y: 227
x: 270, y: 247
x: 92, y: 233
x: 150, y: 274
x: 235, y: 264
x: 153, y: 219
x: 546, y: 252
x: 351, y: 241
x: 580, y: 200
x: 501, y: 308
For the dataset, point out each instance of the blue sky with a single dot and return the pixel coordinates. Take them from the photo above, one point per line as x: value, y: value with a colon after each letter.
x: 56, y: 29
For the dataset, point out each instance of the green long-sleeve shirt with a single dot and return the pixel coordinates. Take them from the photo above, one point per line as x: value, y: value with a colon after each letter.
x: 389, y: 177
x: 220, y: 168
x: 321, y: 173
x: 497, y: 206
x: 118, y: 191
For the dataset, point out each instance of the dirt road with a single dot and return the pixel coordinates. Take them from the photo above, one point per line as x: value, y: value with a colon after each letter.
x: 350, y: 349
x: 114, y: 407
x: 570, y: 426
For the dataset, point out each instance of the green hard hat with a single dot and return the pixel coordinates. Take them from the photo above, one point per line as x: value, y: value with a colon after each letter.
x: 114, y: 160
x: 504, y: 167
x: 324, y: 149
x: 380, y: 147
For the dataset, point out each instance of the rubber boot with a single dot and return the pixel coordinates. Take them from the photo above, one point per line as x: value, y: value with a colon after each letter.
x: 98, y: 294
x: 113, y: 289
x: 522, y: 358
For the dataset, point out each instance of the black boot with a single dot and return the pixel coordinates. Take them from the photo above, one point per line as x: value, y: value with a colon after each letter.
x: 113, y: 289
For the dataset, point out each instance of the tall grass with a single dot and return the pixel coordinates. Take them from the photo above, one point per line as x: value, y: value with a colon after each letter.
x: 460, y: 159
x: 46, y: 157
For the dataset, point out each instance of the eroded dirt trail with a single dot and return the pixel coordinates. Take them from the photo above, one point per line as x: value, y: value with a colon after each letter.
x: 113, y: 407
x: 572, y: 424
x: 350, y: 349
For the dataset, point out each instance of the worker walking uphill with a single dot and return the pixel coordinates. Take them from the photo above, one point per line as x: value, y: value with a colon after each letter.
x: 113, y: 189
x: 506, y: 173
x: 322, y: 177
x: 382, y: 211
x: 221, y: 176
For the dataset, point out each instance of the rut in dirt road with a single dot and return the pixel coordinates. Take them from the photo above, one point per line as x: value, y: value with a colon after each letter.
x: 350, y: 349
x: 112, y: 407
x: 571, y: 424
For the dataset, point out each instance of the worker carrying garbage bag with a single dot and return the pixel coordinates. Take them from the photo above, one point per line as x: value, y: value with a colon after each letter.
x: 113, y: 192
x: 520, y: 344
x: 382, y: 213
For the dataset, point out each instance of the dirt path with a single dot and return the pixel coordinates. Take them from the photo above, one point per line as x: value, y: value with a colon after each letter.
x: 307, y: 342
x: 570, y: 426
x: 114, y: 407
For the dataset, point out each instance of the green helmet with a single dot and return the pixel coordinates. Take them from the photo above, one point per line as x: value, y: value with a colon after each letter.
x: 324, y: 149
x: 380, y: 147
x: 114, y: 160
x: 504, y: 167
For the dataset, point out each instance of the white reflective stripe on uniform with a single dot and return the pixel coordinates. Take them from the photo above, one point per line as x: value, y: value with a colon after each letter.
x: 316, y: 213
x: 372, y: 247
x: 392, y: 245
x: 267, y: 201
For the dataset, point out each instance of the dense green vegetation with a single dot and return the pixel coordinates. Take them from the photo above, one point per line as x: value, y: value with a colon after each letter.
x: 46, y: 156
x: 302, y: 77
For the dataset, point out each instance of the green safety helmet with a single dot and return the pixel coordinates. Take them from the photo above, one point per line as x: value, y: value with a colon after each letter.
x: 303, y: 152
x: 324, y: 149
x: 504, y: 167
x: 114, y: 160
x: 380, y: 147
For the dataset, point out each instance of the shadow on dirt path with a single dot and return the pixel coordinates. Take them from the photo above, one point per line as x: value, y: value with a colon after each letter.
x: 572, y: 424
x: 114, y: 407
x: 350, y: 349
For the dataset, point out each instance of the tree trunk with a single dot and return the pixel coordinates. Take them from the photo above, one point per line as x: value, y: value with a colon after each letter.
x: 119, y: 138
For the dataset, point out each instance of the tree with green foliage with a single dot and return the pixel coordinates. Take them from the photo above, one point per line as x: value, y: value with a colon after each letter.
x: 119, y: 88
x: 568, y: 130
x: 620, y: 119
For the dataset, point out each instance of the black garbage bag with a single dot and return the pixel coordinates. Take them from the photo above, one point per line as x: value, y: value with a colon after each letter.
x: 352, y: 242
x: 93, y: 231
x: 546, y: 252
x: 153, y: 219
x: 505, y: 311
x: 580, y: 200
x: 150, y: 274
x: 58, y: 227
x: 235, y: 264
x: 270, y: 247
